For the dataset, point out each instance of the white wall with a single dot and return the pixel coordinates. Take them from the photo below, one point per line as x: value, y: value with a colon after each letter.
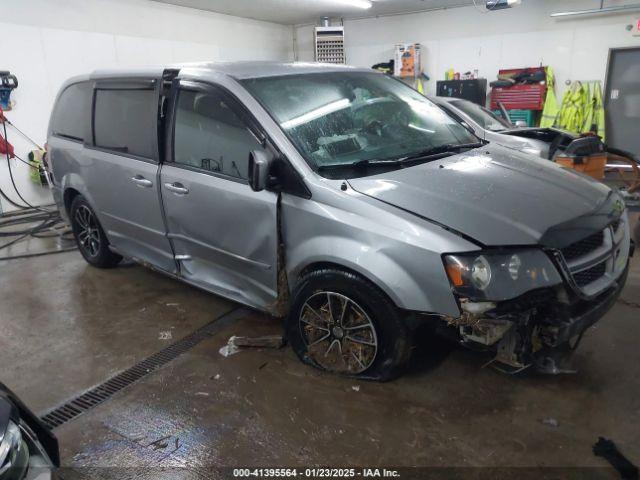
x: 44, y: 42
x: 465, y: 39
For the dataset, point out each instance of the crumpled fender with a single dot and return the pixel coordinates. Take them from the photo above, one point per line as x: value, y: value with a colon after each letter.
x: 396, y: 251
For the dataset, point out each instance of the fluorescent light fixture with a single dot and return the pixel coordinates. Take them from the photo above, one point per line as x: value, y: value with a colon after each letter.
x: 596, y: 11
x: 500, y: 4
x: 317, y: 113
x: 365, y: 4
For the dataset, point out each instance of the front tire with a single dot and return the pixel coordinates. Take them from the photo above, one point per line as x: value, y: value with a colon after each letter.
x: 90, y: 237
x: 343, y: 324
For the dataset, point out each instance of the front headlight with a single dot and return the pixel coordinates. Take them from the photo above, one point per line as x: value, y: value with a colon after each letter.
x: 497, y: 276
x: 14, y: 454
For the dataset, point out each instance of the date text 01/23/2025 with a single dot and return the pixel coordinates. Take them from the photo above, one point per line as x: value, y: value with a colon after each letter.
x: 315, y: 473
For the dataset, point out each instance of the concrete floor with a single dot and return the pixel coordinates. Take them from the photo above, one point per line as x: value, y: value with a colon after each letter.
x: 65, y: 327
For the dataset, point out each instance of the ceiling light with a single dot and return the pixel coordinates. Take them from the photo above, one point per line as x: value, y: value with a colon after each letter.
x: 500, y: 4
x: 355, y: 3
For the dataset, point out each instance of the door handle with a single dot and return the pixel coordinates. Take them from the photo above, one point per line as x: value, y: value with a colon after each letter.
x: 176, y: 188
x: 141, y: 181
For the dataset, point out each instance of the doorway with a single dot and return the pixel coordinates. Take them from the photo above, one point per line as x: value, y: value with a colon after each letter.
x: 622, y: 99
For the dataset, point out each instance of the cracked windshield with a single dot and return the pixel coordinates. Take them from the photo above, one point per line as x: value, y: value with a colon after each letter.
x: 338, y: 120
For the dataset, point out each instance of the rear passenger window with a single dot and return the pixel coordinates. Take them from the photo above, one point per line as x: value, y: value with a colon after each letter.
x: 70, y: 115
x: 125, y: 121
x: 209, y: 134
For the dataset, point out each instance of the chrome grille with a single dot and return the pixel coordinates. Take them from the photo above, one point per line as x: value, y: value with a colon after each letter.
x: 596, y: 261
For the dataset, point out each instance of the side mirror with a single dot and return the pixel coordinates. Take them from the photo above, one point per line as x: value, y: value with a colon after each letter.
x: 259, y: 167
x: 521, y: 124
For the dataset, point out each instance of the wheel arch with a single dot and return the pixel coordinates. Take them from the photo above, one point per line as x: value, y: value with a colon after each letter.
x: 73, y: 185
x: 404, y: 283
x: 69, y: 195
x: 326, y: 265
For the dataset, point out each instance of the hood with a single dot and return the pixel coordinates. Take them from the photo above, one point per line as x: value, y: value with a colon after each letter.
x: 492, y: 194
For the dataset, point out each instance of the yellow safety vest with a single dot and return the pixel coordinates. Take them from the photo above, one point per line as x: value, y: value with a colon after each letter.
x: 582, y: 109
x: 550, y: 110
x: 594, y: 113
x: 574, y: 105
x: 36, y: 164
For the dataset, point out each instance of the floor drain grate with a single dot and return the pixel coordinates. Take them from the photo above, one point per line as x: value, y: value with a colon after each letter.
x: 86, y: 401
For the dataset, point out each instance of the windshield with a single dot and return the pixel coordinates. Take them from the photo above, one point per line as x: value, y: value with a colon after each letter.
x: 482, y: 116
x: 337, y: 119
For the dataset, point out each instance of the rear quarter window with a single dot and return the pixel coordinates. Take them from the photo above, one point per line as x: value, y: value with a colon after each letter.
x: 70, y: 114
x: 125, y: 121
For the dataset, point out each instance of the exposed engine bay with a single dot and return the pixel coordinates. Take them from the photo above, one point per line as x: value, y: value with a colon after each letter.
x: 543, y: 325
x: 538, y: 329
x: 558, y: 140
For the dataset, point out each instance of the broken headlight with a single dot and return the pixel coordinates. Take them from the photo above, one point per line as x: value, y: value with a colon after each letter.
x: 500, y: 275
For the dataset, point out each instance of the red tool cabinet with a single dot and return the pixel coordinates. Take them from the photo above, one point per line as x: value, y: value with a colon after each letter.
x: 520, y: 97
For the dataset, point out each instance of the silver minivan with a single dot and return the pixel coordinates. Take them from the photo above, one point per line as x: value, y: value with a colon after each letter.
x: 340, y: 199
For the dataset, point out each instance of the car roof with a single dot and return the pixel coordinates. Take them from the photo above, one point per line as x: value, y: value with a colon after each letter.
x: 237, y: 70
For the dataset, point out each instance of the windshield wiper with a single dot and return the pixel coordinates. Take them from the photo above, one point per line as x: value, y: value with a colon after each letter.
x: 435, y: 152
x: 439, y: 150
x: 365, y: 163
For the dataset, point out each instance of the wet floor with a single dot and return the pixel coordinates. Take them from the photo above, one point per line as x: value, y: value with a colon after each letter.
x: 65, y: 327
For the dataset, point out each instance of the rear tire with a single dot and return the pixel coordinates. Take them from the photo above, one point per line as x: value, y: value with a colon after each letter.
x: 342, y: 323
x: 90, y: 237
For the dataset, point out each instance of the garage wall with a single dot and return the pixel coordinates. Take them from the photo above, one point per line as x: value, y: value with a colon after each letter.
x: 465, y: 39
x: 46, y: 41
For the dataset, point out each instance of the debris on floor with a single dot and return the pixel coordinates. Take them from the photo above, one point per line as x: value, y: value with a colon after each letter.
x: 266, y: 341
x: 552, y: 422
x: 608, y: 450
x: 166, y: 335
x: 629, y: 303
x: 160, y: 444
x: 230, y: 348
x: 355, y: 388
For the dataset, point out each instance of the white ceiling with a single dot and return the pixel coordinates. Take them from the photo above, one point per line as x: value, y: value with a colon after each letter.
x: 295, y: 12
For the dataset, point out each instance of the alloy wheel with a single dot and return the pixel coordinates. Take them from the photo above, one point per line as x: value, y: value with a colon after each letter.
x: 88, y: 233
x: 338, y: 333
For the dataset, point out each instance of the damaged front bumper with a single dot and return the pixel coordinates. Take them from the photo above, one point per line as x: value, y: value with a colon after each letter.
x: 537, y: 329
